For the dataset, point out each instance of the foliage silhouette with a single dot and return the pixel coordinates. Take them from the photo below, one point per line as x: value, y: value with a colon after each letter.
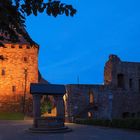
x: 13, y: 15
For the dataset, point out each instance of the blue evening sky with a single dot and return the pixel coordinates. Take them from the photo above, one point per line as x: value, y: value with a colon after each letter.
x: 80, y: 46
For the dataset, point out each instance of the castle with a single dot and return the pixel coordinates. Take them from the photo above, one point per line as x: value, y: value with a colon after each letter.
x: 118, y: 97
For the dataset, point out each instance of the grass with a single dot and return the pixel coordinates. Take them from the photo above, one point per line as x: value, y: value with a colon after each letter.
x: 11, y: 116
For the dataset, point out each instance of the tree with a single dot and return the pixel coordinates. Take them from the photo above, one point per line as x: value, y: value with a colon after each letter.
x: 13, y: 15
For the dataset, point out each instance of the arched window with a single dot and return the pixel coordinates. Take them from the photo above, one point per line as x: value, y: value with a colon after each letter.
x: 3, y: 72
x: 25, y: 59
x: 91, y: 98
x: 120, y: 80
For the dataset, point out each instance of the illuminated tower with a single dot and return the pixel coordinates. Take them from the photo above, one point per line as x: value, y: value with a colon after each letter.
x: 18, y: 69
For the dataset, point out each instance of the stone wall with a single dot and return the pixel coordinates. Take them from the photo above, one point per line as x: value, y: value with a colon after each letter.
x: 130, y: 72
x: 119, y: 97
x: 123, y: 79
x: 78, y: 104
x: 18, y: 69
x: 126, y: 102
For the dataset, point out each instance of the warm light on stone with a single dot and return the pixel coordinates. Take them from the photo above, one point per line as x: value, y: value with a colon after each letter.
x: 17, y: 71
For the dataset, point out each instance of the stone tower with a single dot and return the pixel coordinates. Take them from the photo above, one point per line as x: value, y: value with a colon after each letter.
x: 18, y: 68
x: 110, y: 70
x: 122, y: 75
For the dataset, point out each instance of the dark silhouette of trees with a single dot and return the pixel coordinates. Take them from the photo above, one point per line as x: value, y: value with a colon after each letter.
x: 13, y: 15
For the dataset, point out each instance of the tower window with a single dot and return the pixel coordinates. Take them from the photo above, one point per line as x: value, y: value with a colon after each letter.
x: 25, y: 59
x: 13, y: 88
x: 3, y: 72
x: 120, y: 80
x: 130, y: 83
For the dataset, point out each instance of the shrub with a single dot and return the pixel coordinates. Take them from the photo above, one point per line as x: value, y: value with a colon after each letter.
x: 117, y: 123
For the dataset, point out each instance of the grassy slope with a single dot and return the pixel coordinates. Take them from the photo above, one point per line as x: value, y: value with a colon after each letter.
x: 11, y: 116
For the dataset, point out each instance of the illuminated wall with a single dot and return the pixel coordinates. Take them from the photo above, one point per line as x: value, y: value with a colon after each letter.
x: 18, y: 69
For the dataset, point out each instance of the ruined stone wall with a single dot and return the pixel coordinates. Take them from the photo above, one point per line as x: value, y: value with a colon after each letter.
x: 126, y: 102
x: 78, y: 105
x: 129, y: 70
x: 110, y: 71
x: 119, y: 96
x: 125, y: 90
x: 18, y: 69
x: 76, y: 100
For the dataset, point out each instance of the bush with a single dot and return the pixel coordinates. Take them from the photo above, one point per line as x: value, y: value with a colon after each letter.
x: 126, y: 123
x: 93, y: 122
x: 45, y: 107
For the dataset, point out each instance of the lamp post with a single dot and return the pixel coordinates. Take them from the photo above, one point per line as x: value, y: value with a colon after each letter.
x: 25, y: 84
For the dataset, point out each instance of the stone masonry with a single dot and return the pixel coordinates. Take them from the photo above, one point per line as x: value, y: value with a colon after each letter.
x: 18, y: 69
x: 118, y: 97
x: 123, y: 78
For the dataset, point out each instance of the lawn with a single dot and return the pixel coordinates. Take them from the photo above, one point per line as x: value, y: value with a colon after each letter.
x: 11, y: 116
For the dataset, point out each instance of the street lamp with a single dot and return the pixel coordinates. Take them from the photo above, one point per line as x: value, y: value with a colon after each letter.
x: 25, y: 84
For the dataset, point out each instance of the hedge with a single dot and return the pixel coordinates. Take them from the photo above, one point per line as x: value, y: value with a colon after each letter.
x: 117, y: 123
